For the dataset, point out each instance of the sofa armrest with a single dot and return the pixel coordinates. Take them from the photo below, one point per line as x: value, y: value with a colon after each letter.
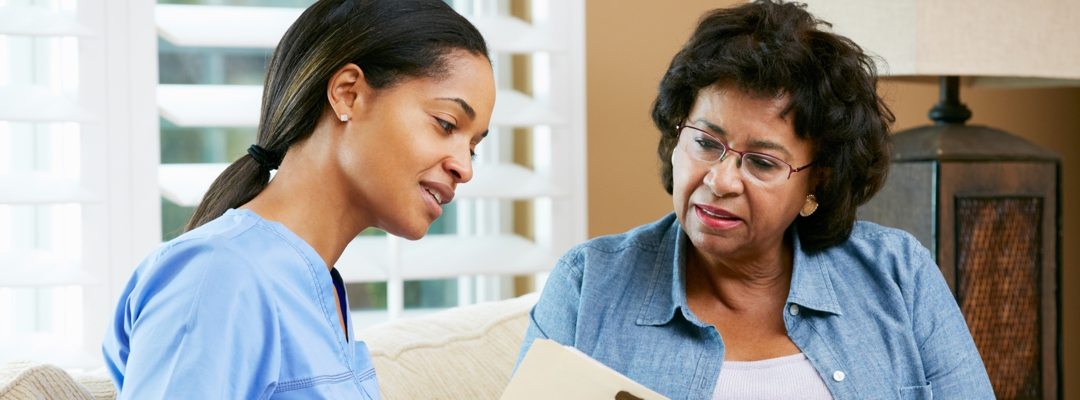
x: 30, y: 380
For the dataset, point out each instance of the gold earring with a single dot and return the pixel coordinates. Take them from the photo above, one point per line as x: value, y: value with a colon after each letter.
x: 810, y: 206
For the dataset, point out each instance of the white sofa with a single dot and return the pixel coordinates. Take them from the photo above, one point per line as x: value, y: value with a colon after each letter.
x: 461, y: 353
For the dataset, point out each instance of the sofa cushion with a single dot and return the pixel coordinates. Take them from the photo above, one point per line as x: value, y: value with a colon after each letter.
x: 29, y: 380
x: 461, y: 353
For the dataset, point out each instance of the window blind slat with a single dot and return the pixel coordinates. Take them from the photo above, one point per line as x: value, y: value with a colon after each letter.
x: 185, y: 184
x: 34, y: 268
x: 42, y: 188
x: 263, y: 27
x: 506, y: 181
x: 444, y: 256
x: 46, y: 352
x: 210, y: 105
x: 33, y: 103
x: 39, y: 21
x: 506, y: 34
x: 223, y: 26
x: 513, y: 108
x: 238, y: 106
x: 42, y: 277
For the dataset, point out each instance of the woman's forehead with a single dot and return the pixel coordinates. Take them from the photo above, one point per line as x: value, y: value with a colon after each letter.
x: 734, y: 98
x: 749, y: 121
x: 730, y: 111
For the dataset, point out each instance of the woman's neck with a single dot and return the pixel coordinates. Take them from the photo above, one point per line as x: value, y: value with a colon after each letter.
x: 742, y: 283
x: 307, y: 195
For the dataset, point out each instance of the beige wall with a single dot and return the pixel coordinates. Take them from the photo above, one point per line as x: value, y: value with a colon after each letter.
x: 630, y: 43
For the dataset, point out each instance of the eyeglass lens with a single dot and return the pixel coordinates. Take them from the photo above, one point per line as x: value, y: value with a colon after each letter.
x: 760, y: 167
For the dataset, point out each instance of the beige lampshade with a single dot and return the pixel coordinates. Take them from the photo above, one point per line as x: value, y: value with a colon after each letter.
x: 999, y: 39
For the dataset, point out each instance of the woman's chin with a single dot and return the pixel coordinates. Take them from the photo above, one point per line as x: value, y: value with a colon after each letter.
x: 412, y: 229
x: 410, y: 233
x: 711, y: 243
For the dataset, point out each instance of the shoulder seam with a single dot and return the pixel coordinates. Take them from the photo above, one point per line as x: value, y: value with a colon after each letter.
x: 182, y: 239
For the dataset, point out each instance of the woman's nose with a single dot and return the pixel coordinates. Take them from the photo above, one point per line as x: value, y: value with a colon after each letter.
x: 724, y: 176
x: 460, y: 167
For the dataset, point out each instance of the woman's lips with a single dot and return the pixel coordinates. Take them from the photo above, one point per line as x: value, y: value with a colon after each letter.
x: 443, y: 193
x: 436, y: 194
x: 432, y: 203
x: 716, y: 218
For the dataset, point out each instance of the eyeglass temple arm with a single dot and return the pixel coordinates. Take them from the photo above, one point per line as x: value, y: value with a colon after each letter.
x: 803, y: 167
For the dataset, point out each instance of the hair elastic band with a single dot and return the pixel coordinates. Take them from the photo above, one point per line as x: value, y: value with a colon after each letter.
x: 267, y: 159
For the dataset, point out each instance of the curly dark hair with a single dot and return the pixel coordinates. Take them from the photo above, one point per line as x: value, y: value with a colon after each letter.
x: 769, y: 49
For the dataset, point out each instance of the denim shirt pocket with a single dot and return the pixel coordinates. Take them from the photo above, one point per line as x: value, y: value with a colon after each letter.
x: 916, y: 393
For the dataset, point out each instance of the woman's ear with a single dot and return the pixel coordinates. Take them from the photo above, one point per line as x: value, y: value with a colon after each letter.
x: 347, y: 91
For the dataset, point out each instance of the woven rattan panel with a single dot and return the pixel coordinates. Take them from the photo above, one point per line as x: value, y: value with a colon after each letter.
x: 997, y: 287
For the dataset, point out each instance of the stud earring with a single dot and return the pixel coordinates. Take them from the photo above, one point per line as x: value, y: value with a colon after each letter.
x: 810, y: 206
x: 344, y: 117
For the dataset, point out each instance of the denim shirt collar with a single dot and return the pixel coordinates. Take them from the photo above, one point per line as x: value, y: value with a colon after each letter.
x: 810, y: 284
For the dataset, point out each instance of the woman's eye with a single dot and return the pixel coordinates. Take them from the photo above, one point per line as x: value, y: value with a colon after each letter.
x: 472, y: 155
x: 707, y: 144
x: 762, y: 163
x: 448, y: 127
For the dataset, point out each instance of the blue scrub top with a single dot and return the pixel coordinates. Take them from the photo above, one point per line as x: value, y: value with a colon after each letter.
x: 239, y: 308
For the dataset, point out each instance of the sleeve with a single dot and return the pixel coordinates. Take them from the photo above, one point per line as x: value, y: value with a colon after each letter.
x: 201, y: 327
x: 555, y: 314
x: 951, y: 362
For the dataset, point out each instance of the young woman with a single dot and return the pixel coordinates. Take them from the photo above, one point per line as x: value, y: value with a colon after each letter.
x: 371, y: 111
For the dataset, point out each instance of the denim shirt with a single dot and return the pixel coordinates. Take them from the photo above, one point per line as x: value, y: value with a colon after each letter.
x: 873, y: 315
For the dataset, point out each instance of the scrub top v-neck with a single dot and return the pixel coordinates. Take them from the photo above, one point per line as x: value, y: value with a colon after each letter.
x: 238, y: 308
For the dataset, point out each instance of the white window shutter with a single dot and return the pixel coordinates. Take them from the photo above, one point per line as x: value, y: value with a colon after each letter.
x: 76, y: 145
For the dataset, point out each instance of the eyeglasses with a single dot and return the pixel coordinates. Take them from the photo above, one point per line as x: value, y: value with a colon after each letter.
x: 760, y: 168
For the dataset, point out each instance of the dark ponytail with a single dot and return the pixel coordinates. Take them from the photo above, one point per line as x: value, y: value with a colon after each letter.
x: 389, y: 40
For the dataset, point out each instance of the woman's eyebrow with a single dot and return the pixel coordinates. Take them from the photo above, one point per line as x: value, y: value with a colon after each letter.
x: 754, y: 144
x: 712, y: 127
x: 761, y: 144
x: 464, y: 106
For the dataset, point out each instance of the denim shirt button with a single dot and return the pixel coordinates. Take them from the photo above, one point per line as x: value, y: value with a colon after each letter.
x: 838, y: 376
x: 794, y: 309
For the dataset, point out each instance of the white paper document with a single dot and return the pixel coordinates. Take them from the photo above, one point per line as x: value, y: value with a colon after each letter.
x: 553, y: 371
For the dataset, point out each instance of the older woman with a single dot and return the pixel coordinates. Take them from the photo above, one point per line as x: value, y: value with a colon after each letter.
x: 761, y: 284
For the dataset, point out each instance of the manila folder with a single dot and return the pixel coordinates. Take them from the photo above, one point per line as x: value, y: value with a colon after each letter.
x: 553, y: 371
